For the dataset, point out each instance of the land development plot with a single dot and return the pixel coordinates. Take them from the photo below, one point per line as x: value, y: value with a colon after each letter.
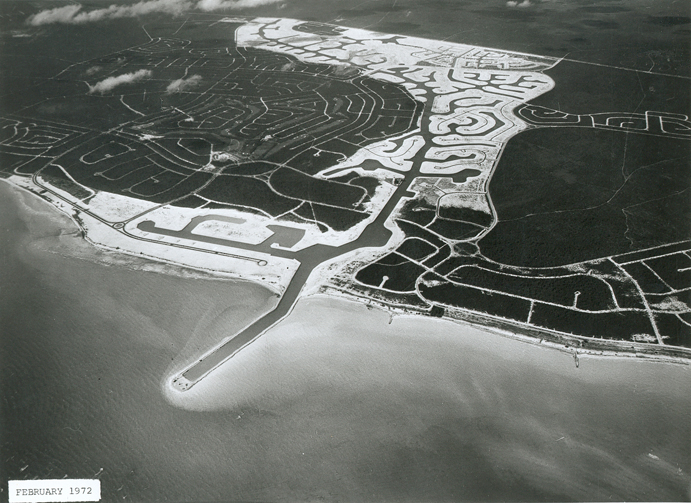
x: 421, y: 176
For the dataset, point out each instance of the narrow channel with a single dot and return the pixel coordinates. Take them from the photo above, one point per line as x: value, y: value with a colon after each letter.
x: 374, y: 235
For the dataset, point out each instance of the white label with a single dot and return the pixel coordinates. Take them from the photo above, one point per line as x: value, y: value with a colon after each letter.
x: 58, y: 490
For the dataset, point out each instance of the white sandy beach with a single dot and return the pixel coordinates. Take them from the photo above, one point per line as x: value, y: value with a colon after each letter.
x: 333, y: 402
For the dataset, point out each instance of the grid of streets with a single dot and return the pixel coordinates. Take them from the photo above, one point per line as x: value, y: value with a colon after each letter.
x: 312, y: 157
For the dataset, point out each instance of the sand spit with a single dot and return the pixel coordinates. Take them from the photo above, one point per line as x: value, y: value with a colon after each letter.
x: 316, y: 315
x: 334, y: 340
x: 64, y: 236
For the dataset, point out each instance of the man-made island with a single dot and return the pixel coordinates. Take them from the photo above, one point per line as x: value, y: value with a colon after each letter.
x: 416, y: 175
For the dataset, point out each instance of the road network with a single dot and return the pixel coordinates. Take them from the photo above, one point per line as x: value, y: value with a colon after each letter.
x: 317, y: 158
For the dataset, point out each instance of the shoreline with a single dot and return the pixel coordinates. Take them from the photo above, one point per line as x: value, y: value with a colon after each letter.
x: 574, y: 345
x: 565, y: 343
x: 556, y: 343
x: 87, y: 249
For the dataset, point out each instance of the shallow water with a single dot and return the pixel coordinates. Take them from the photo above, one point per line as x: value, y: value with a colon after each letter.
x: 423, y: 409
x: 333, y: 403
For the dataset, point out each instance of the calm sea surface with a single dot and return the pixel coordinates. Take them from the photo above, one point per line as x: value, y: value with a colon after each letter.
x: 335, y: 403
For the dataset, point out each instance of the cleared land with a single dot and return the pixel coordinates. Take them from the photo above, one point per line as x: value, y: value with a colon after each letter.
x: 384, y: 167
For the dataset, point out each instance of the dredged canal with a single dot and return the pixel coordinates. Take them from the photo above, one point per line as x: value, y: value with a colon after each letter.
x: 375, y: 235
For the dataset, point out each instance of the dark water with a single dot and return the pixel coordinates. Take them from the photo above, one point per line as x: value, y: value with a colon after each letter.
x: 84, y: 349
x: 334, y: 404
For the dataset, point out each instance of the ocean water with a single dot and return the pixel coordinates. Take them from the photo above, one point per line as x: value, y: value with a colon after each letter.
x: 333, y: 404
x: 85, y: 346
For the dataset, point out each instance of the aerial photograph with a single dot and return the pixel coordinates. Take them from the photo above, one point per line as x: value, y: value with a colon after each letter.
x: 345, y: 250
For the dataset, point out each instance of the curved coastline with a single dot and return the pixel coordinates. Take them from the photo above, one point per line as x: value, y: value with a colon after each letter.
x: 435, y: 384
x: 572, y: 344
x: 577, y: 346
x: 83, y: 247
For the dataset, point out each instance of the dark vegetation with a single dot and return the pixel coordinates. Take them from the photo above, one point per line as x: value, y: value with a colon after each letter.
x: 312, y: 161
x: 452, y: 263
x: 455, y: 230
x: 182, y: 189
x: 270, y: 113
x: 495, y: 304
x: 465, y: 215
x: 249, y: 168
x: 644, y: 254
x: 192, y: 150
x: 673, y: 330
x: 57, y: 177
x: 411, y: 230
x: 586, y: 89
x: 605, y: 325
x: 646, y: 278
x: 418, y: 211
x: 674, y: 270
x: 438, y: 257
x: 567, y: 195
x: 626, y: 293
x: 416, y: 249
x: 246, y: 191
x: 393, y: 259
x: 191, y: 202
x: 594, y: 294
x: 106, y: 151
x: 400, y: 277
x: 297, y: 185
x: 9, y: 161
x: 22, y: 166
x: 366, y: 182
x: 157, y: 184
x: 339, y: 219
